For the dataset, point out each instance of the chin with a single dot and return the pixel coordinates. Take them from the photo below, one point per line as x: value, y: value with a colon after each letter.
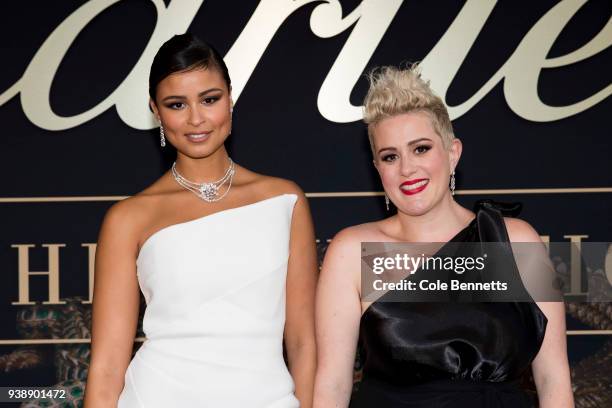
x: 421, y: 203
x: 197, y: 152
x: 413, y: 211
x: 415, y: 208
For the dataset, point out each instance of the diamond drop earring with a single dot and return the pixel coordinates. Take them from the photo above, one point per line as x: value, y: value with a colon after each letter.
x: 162, y: 136
x: 452, y: 183
x: 387, y: 201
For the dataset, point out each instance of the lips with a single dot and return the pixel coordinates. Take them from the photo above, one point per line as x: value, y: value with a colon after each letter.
x: 412, y: 187
x: 197, y: 137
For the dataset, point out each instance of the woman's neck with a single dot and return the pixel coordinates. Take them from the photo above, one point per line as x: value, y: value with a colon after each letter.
x: 203, y: 170
x: 439, y: 224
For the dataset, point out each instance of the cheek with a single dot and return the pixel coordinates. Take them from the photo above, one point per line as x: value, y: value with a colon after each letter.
x: 172, y: 119
x: 220, y: 116
x: 388, y: 174
x: 437, y: 166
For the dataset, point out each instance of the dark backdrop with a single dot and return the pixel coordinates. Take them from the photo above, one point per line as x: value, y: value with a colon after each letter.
x: 56, y: 185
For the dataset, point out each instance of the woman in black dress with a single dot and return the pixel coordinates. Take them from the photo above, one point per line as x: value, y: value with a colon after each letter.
x: 429, y: 354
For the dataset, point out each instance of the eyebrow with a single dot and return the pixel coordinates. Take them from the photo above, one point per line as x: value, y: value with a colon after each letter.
x: 201, y: 94
x: 412, y: 142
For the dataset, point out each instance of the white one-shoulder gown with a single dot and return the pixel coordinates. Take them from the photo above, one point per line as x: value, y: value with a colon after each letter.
x: 215, y: 293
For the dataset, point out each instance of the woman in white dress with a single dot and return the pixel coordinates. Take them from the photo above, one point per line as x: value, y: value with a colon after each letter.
x: 225, y: 259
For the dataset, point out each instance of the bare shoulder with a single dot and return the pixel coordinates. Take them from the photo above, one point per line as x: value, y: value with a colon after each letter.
x: 342, y: 262
x: 279, y: 185
x: 125, y: 214
x: 521, y: 231
x: 349, y: 239
x: 358, y: 233
x: 128, y: 216
x: 274, y: 186
x: 142, y: 206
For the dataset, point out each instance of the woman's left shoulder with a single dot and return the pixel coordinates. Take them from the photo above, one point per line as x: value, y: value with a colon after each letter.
x: 274, y: 186
x: 520, y: 230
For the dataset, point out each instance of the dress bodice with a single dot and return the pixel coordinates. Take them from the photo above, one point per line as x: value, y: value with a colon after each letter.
x: 215, y: 294
x: 199, y: 271
x: 411, y: 345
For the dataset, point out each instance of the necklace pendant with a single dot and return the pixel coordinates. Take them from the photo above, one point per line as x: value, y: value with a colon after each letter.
x: 208, y: 191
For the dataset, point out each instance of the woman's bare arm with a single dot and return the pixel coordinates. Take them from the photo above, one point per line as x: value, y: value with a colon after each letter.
x: 115, y: 307
x: 338, y: 311
x: 301, y: 283
x: 550, y: 367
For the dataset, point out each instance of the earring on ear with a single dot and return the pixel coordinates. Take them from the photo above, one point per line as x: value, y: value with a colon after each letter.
x: 452, y: 183
x: 162, y: 136
x: 387, y: 201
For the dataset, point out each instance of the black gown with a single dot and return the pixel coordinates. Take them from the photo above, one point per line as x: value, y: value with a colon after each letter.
x: 440, y: 354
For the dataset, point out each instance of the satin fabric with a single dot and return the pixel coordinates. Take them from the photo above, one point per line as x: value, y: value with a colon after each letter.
x: 450, y: 354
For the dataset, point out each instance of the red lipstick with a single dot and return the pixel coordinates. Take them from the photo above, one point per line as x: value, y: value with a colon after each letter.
x: 415, y: 186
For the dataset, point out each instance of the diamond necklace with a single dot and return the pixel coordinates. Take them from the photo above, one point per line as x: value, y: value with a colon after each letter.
x: 208, y: 192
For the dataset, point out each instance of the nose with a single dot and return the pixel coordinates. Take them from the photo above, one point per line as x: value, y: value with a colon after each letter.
x: 407, y: 166
x: 196, y: 116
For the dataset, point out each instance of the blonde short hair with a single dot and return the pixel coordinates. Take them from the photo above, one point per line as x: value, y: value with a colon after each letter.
x: 394, y: 91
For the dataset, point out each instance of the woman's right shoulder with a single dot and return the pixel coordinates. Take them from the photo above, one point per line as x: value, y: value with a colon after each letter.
x: 139, y: 206
x: 348, y: 240
x: 131, y: 214
x: 368, y: 231
x: 342, y: 261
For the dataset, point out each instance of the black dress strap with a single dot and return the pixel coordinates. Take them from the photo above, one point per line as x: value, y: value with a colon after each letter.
x: 490, y: 219
x: 506, y: 209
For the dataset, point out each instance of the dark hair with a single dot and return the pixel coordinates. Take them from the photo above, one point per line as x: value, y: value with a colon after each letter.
x: 184, y: 52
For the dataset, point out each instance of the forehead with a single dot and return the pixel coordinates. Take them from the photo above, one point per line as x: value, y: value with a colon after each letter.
x: 190, y: 82
x: 403, y: 128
